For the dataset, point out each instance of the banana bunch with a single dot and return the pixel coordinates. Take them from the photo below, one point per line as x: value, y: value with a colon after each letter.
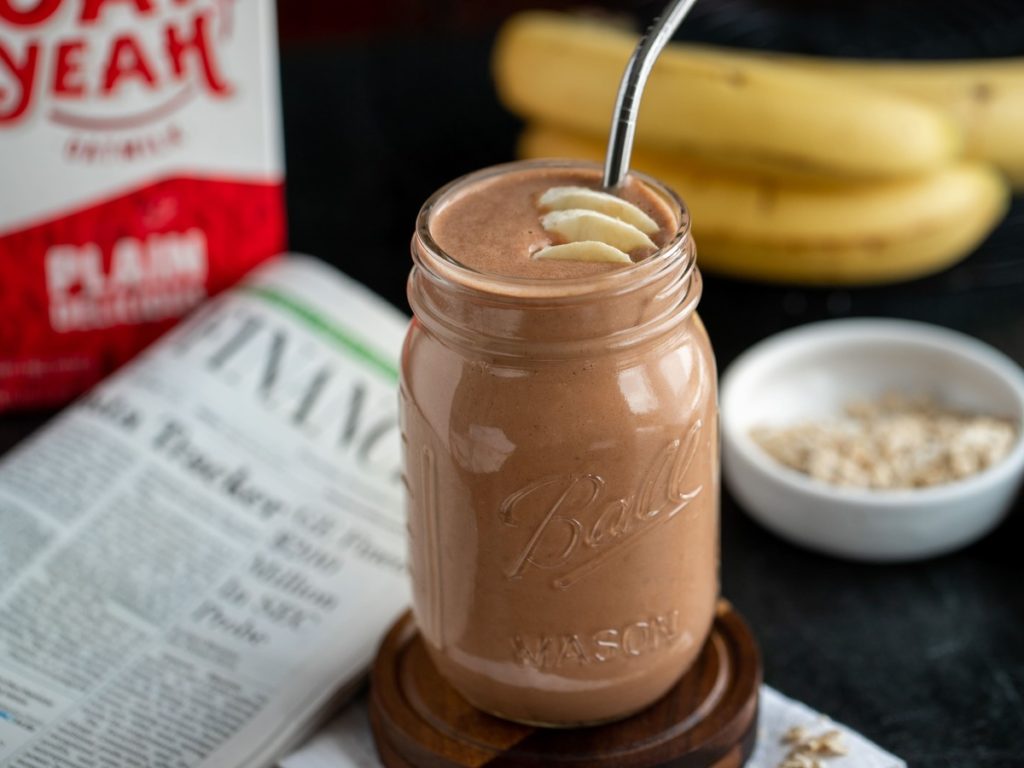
x: 985, y: 99
x: 794, y: 169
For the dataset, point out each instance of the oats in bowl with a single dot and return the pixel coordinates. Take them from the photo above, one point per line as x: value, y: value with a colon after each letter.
x: 896, y: 441
x: 923, y: 477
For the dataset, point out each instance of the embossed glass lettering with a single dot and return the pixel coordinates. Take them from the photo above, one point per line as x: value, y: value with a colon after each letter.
x: 586, y: 525
x: 630, y: 641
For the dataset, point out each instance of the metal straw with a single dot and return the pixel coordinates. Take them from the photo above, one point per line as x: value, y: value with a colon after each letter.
x: 620, y: 142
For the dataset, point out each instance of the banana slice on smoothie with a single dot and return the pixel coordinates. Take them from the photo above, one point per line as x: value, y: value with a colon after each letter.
x: 577, y: 225
x: 584, y: 250
x: 563, y: 198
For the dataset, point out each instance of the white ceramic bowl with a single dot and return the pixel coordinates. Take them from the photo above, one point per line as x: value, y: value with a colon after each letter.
x: 813, y: 372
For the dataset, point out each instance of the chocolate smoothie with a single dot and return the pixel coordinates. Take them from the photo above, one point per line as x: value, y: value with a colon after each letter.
x: 495, y: 226
x: 560, y: 429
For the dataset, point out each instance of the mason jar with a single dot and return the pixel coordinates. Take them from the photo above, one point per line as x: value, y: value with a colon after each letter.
x: 562, y: 475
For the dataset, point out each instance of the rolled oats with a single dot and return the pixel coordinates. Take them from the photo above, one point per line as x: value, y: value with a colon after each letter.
x: 896, y: 441
x: 807, y: 748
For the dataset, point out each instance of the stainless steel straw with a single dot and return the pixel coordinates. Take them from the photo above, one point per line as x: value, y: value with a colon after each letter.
x: 631, y: 89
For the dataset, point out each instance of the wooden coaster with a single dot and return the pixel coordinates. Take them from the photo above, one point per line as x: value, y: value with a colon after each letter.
x: 708, y: 720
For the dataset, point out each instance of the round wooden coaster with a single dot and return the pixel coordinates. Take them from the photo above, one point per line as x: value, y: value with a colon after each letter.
x: 708, y: 720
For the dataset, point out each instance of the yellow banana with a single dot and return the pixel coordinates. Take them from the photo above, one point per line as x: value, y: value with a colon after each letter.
x: 816, y: 232
x: 985, y: 98
x: 565, y: 71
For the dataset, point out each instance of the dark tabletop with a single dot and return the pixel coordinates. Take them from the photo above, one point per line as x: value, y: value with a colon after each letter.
x: 926, y: 659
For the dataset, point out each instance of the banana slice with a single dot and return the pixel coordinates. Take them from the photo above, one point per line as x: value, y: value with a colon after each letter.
x: 576, y: 224
x: 562, y: 198
x: 583, y: 250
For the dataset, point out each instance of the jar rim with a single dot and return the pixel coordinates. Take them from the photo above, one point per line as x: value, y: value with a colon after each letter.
x: 443, y: 266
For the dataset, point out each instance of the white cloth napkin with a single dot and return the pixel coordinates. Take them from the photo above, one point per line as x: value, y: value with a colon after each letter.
x: 779, y: 713
x: 347, y: 742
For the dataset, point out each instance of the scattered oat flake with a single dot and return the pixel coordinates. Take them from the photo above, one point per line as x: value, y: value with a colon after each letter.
x: 831, y: 744
x: 808, y: 747
x: 794, y: 735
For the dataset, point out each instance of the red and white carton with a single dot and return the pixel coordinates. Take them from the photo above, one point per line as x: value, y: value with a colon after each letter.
x: 140, y: 171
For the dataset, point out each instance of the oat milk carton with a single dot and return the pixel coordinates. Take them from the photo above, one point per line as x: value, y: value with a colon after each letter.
x: 140, y: 172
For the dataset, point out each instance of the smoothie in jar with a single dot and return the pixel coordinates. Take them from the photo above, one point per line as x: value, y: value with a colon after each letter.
x: 561, y: 451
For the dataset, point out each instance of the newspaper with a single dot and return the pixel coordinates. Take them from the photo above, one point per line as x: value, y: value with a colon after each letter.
x: 204, y: 551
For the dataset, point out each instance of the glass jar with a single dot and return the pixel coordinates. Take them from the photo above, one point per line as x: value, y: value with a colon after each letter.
x: 561, y: 463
